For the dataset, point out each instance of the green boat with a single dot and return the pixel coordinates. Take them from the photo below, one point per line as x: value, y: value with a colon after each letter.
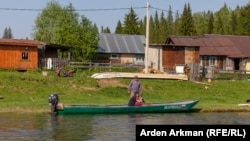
x: 170, y: 107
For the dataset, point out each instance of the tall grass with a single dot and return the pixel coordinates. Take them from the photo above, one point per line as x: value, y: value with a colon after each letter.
x: 29, y: 91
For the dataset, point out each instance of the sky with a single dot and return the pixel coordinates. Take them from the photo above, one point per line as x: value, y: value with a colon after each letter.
x: 22, y: 21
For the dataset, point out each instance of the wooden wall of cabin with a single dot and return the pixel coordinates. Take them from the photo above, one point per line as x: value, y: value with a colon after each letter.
x: 101, y: 58
x: 192, y: 55
x: 222, y: 63
x: 172, y: 56
x: 11, y: 57
x: 128, y: 58
x: 122, y: 58
x: 155, y: 58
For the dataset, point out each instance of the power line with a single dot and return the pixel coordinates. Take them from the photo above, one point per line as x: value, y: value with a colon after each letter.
x: 159, y: 9
x: 107, y: 9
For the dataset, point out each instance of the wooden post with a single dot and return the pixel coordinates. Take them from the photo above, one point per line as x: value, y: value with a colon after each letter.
x: 90, y: 65
x: 147, y: 38
x: 110, y: 66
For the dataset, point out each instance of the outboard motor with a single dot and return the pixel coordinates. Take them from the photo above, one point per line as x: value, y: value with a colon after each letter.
x: 53, y: 100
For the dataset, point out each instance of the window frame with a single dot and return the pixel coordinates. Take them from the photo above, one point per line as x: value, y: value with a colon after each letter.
x: 114, y: 56
x: 139, y: 58
x: 212, y: 60
x: 25, y: 55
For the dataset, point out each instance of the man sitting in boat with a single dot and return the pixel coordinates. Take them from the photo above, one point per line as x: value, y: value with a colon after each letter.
x: 135, y: 100
x: 139, y: 100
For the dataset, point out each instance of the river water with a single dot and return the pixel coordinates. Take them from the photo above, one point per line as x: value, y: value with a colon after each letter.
x: 44, y: 127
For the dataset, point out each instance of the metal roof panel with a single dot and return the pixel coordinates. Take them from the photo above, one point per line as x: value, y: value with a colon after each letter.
x: 121, y: 43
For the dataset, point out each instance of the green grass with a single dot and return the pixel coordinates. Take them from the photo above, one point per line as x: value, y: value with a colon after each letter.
x: 29, y: 91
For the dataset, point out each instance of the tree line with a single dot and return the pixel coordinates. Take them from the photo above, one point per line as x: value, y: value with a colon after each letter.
x: 63, y: 25
x: 225, y: 21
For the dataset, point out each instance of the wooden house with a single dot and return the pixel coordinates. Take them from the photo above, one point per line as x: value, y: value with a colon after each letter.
x: 120, y: 48
x: 222, y: 52
x: 19, y: 54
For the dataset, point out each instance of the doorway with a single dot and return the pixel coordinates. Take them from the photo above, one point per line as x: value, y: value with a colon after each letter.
x: 236, y: 64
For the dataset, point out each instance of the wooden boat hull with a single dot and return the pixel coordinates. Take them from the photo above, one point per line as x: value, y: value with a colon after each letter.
x: 182, y: 106
x: 140, y: 75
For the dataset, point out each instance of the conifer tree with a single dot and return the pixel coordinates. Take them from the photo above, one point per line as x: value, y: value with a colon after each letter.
x: 151, y: 30
x: 177, y: 24
x: 7, y: 33
x: 234, y: 23
x: 105, y: 30
x: 219, y: 25
x: 187, y: 24
x: 222, y: 21
x: 131, y: 23
x: 201, y: 22
x: 156, y: 22
x: 95, y: 28
x: 164, y: 29
x: 118, y: 29
x: 244, y: 20
x: 170, y: 22
x: 237, y: 21
x: 210, y: 26
x: 142, y: 26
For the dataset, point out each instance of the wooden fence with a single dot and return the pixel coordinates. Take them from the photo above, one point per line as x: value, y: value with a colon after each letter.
x: 55, y: 63
x: 110, y: 66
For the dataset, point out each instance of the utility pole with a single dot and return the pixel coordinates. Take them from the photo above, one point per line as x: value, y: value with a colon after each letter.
x: 147, y: 38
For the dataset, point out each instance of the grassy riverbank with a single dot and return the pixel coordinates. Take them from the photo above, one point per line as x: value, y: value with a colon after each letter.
x: 28, y: 91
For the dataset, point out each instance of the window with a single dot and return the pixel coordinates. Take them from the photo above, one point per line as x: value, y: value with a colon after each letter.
x: 212, y: 61
x: 139, y: 58
x: 114, y: 56
x: 25, y: 55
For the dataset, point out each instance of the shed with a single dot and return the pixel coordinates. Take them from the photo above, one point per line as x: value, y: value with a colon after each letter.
x: 168, y: 57
x: 19, y: 54
x: 54, y: 56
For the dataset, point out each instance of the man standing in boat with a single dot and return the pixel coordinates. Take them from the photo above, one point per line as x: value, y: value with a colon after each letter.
x: 134, y: 86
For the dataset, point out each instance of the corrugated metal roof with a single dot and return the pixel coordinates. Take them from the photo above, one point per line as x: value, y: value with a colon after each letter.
x: 121, y: 43
x: 242, y: 43
x: 224, y: 45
